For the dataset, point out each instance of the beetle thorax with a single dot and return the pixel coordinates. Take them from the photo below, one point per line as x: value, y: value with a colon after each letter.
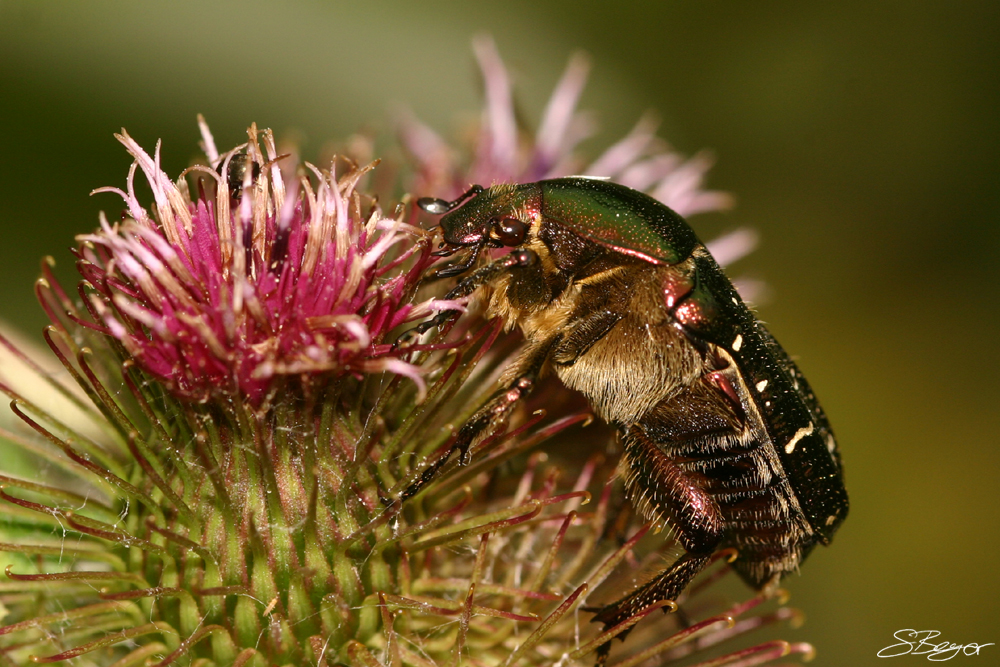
x: 642, y: 360
x: 525, y: 297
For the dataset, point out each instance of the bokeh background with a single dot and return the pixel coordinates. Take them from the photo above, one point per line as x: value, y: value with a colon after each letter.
x: 859, y: 137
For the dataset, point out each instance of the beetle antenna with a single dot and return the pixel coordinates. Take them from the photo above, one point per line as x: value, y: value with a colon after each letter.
x: 432, y: 205
x: 436, y: 206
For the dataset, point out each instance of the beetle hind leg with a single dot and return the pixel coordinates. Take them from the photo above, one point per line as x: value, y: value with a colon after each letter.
x: 666, y: 586
x: 666, y: 493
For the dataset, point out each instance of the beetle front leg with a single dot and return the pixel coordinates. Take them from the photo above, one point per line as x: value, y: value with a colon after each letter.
x: 475, y: 280
x: 490, y: 417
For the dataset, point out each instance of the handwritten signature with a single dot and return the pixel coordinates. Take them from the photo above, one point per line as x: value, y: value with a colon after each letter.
x: 917, y: 642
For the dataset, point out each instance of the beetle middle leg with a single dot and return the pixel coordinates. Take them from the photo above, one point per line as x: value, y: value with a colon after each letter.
x: 666, y: 586
x: 490, y: 416
x: 585, y: 332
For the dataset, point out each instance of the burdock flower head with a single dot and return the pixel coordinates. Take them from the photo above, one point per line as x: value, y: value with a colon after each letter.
x: 215, y: 470
x: 238, y: 296
x: 223, y: 346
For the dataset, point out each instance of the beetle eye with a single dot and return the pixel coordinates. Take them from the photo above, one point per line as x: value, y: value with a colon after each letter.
x: 510, y: 231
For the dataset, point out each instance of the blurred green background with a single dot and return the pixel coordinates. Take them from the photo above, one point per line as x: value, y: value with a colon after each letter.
x: 860, y: 138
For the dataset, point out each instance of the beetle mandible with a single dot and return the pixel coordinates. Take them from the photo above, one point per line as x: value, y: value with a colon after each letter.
x: 722, y: 439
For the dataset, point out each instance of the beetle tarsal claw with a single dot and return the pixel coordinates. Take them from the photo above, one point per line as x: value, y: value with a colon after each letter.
x: 445, y: 251
x: 407, y: 338
x: 729, y: 554
x: 449, y: 271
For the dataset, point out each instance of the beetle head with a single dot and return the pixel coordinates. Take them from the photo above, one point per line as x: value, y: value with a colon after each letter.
x: 497, y: 217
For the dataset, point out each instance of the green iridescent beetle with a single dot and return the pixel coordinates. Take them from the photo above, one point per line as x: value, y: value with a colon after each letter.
x: 723, y: 441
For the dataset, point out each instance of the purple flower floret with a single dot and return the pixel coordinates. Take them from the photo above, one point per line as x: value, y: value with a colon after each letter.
x: 505, y: 153
x: 279, y: 278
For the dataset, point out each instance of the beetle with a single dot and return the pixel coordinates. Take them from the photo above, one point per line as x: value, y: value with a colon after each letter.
x: 722, y: 439
x: 236, y: 173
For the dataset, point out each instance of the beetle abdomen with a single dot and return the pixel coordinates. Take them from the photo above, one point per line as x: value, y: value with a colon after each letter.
x: 726, y: 452
x: 803, y: 441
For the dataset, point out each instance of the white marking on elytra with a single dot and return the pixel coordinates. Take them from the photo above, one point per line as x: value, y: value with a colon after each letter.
x: 831, y: 444
x: 830, y: 519
x: 738, y: 343
x: 735, y: 301
x: 801, y: 433
x: 762, y: 385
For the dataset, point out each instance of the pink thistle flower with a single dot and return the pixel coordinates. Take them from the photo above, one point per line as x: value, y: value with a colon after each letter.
x: 506, y: 153
x: 282, y: 281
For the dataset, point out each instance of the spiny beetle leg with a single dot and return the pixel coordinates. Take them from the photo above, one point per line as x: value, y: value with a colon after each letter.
x: 666, y: 586
x: 479, y: 425
x: 478, y: 278
x: 457, y: 268
x: 656, y: 480
x: 422, y: 328
x: 490, y: 417
x: 583, y: 335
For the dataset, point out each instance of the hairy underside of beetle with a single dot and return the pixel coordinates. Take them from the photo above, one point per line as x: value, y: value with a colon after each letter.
x: 697, y: 457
